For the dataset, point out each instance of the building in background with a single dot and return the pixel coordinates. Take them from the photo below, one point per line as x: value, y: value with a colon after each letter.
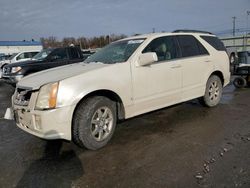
x: 10, y: 47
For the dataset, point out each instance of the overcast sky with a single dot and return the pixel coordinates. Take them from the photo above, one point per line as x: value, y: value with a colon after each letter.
x: 26, y: 19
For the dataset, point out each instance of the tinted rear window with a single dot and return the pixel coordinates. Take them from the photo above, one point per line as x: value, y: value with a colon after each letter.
x: 190, y: 46
x: 73, y: 53
x: 215, y: 42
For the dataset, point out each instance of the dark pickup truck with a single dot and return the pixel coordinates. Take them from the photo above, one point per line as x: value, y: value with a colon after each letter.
x: 12, y: 73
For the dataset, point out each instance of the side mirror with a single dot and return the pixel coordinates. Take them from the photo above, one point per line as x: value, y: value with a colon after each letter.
x: 147, y: 58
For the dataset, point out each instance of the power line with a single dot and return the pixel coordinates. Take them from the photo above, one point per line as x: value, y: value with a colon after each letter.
x: 229, y: 31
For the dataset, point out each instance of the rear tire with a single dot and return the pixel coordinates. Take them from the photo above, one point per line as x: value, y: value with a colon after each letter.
x: 240, y: 82
x: 213, y: 92
x: 94, y: 122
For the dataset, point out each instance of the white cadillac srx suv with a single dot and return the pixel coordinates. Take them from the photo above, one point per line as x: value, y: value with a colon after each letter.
x: 82, y: 102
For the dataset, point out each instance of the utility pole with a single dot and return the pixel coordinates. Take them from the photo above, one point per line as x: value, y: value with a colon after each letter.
x: 153, y: 30
x: 234, y: 18
x: 246, y: 39
x: 248, y: 14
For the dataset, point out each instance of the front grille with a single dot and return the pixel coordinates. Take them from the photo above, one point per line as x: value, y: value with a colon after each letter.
x: 6, y: 70
x: 22, y: 97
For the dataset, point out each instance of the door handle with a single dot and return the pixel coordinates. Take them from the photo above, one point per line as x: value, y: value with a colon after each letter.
x: 176, y: 66
x: 207, y: 61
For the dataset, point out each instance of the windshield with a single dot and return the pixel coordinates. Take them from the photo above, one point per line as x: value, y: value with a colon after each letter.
x: 12, y: 56
x: 42, y: 55
x: 115, y: 52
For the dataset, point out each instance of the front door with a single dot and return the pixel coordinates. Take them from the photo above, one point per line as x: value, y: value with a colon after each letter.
x: 159, y: 84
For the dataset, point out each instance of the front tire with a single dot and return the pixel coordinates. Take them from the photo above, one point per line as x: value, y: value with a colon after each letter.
x: 213, y: 92
x: 94, y: 122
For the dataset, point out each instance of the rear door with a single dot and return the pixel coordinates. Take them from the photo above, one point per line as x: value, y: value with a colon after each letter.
x: 196, y: 63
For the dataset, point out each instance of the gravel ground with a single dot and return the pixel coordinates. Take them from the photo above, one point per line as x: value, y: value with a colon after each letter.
x: 185, y: 145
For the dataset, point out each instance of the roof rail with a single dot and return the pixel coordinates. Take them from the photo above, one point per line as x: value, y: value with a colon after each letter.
x: 191, y: 31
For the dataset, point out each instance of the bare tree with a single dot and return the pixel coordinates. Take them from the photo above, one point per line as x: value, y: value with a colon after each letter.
x: 83, y: 42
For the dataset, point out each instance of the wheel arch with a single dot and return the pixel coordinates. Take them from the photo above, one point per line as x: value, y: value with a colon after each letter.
x: 220, y: 75
x: 3, y: 65
x: 109, y: 94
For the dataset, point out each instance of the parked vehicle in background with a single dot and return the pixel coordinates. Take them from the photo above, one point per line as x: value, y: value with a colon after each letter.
x: 83, y: 102
x: 236, y: 44
x: 42, y: 55
x: 16, y: 57
x: 242, y: 70
x: 47, y: 59
x: 19, y: 57
x: 4, y: 57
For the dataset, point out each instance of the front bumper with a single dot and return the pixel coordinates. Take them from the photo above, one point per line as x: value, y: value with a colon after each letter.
x: 47, y: 124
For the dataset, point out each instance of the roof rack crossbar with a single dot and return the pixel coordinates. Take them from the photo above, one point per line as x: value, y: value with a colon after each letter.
x: 191, y: 31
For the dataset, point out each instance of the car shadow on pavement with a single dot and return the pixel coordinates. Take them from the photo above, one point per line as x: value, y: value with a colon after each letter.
x: 55, y: 169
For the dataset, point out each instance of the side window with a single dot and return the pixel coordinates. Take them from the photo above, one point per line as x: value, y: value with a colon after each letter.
x: 73, y: 53
x: 27, y: 55
x: 164, y: 47
x: 215, y: 42
x: 190, y: 46
x: 59, y: 54
x: 202, y: 49
x: 33, y: 54
x: 21, y: 56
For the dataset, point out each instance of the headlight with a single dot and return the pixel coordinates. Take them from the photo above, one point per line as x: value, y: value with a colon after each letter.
x: 15, y: 69
x: 47, y: 97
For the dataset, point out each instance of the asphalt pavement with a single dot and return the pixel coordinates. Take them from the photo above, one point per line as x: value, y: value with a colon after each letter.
x: 185, y: 145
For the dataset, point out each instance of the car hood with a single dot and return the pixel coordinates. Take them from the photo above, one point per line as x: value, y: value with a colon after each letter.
x: 35, y: 81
